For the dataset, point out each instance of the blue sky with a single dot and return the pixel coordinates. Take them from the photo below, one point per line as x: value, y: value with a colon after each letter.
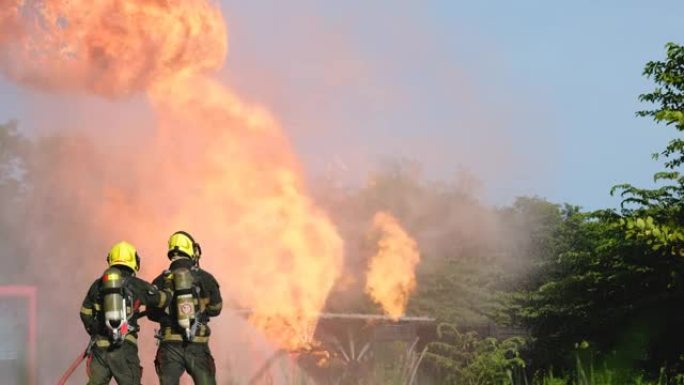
x: 531, y: 97
x: 551, y: 86
x: 588, y: 57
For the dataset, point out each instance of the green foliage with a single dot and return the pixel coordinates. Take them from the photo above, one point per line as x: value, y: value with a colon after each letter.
x: 585, y: 373
x: 617, y: 282
x: 396, y: 364
x: 465, y: 358
x: 616, y: 277
x: 668, y: 95
x: 661, y: 237
x: 457, y: 290
x: 473, y: 289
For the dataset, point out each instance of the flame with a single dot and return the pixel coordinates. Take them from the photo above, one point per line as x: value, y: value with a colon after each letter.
x: 254, y: 201
x: 110, y: 47
x: 217, y: 166
x: 391, y: 277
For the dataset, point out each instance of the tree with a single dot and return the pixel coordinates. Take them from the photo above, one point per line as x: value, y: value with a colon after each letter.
x: 617, y: 279
x: 465, y: 358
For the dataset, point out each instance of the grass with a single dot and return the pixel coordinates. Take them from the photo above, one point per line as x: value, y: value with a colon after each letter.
x: 402, y: 369
x: 587, y: 374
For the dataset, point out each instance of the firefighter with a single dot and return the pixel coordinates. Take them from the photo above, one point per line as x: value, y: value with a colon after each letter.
x: 184, y: 334
x: 110, y: 313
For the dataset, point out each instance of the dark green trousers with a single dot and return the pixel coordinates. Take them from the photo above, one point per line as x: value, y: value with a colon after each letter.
x: 174, y: 358
x: 121, y: 362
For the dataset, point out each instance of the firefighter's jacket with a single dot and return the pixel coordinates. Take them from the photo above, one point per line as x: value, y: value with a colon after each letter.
x: 141, y: 296
x: 208, y: 303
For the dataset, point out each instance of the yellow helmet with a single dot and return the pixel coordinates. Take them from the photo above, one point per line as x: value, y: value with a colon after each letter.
x: 124, y: 254
x: 181, y: 242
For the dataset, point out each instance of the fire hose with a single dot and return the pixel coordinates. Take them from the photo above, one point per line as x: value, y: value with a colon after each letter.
x: 74, y: 365
x: 81, y: 357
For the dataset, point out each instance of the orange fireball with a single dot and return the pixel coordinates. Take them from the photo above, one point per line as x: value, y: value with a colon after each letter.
x: 217, y: 166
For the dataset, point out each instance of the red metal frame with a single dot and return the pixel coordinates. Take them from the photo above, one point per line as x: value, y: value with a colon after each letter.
x: 30, y: 294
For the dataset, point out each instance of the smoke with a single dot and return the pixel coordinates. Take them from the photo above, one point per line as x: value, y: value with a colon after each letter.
x: 215, y: 166
x: 469, y: 249
x: 357, y: 83
x: 172, y: 149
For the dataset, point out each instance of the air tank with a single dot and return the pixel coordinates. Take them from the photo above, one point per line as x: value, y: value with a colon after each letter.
x: 185, y: 304
x: 114, y: 303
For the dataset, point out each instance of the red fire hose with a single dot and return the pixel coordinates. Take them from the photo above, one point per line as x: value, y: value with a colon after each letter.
x: 70, y: 370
